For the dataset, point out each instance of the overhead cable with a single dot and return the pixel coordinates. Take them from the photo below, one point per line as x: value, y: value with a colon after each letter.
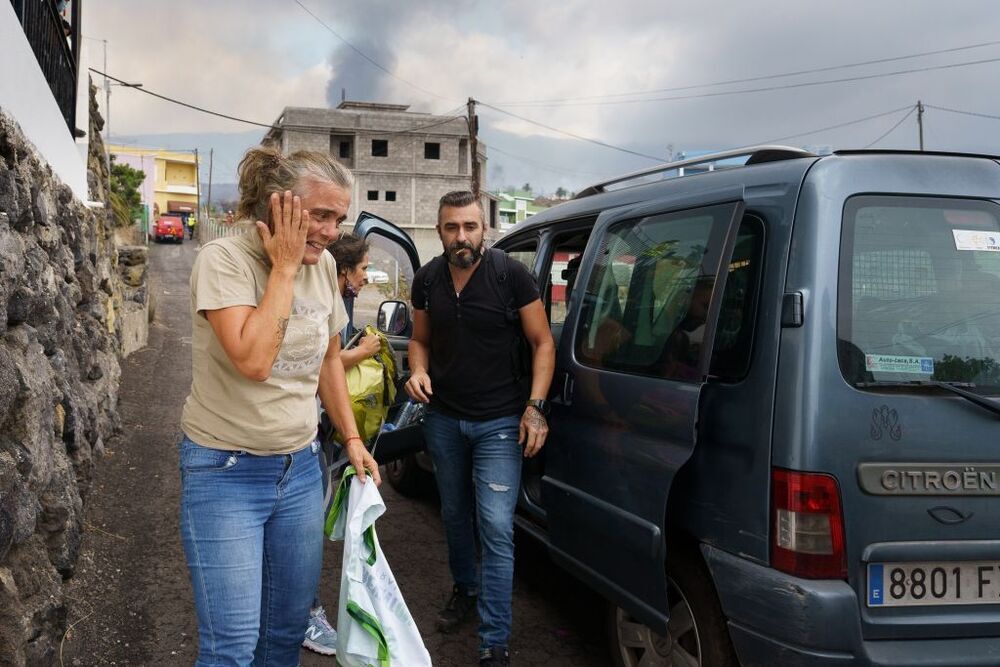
x: 837, y: 126
x: 964, y: 113
x: 763, y: 89
x: 366, y: 56
x: 893, y: 128
x: 547, y: 167
x: 270, y: 126
x: 815, y: 70
x: 571, y: 134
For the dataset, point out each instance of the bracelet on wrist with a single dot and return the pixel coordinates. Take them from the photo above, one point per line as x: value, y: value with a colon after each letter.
x: 354, y: 437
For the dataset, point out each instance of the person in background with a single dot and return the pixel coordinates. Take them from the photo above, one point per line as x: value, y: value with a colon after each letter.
x: 266, y: 319
x: 462, y: 357
x: 351, y: 255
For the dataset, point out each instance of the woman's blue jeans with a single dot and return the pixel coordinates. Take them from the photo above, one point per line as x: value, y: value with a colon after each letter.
x: 252, y: 528
x: 478, y: 468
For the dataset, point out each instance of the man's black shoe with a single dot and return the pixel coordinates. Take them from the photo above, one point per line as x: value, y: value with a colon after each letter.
x: 460, y: 606
x: 494, y: 656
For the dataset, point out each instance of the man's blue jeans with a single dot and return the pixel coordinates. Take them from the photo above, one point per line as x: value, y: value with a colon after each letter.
x: 252, y: 528
x: 479, y: 461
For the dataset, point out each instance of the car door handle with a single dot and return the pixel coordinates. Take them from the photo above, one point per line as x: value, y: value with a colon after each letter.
x: 566, y: 396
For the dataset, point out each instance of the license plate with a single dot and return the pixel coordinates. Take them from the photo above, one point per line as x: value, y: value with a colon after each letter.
x: 933, y: 583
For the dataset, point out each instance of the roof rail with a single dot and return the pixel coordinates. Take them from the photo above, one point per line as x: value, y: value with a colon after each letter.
x: 754, y: 154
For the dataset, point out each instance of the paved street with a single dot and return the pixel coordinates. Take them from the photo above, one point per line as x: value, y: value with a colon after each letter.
x: 131, y: 600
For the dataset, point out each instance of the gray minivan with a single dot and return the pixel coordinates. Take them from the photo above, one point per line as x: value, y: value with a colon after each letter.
x: 774, y: 435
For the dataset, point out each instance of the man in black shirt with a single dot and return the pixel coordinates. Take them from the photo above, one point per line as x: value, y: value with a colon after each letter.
x: 472, y: 308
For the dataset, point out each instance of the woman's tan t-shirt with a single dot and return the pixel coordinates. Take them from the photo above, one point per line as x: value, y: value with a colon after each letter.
x: 228, y: 411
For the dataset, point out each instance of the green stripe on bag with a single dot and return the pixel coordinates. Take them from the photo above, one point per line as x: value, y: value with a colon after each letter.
x: 338, y: 500
x: 372, y: 627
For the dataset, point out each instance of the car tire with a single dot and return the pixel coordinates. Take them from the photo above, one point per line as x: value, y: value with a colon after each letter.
x: 697, y: 631
x: 407, y: 477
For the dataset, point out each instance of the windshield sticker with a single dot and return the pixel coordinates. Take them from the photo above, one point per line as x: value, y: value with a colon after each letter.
x: 970, y: 239
x: 894, y: 363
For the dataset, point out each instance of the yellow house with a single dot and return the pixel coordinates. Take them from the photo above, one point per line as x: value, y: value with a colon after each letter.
x: 173, y: 185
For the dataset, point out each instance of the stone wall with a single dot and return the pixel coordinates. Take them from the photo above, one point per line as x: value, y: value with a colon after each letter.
x: 60, y: 326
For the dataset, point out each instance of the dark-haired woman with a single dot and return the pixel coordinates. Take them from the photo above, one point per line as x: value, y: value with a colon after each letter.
x: 266, y: 322
x: 351, y: 255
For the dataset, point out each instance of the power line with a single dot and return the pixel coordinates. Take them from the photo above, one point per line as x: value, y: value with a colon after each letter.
x: 541, y: 165
x: 837, y: 126
x: 571, y: 134
x: 270, y: 126
x: 804, y: 84
x: 893, y: 128
x: 964, y: 113
x: 765, y: 77
x: 366, y: 56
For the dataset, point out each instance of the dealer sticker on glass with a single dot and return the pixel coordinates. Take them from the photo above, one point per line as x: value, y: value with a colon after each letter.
x: 970, y: 239
x: 895, y: 363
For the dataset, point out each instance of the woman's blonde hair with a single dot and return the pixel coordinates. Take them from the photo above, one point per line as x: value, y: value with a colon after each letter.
x: 264, y: 170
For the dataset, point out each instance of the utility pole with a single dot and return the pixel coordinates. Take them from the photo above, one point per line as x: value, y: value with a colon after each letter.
x: 473, y: 121
x: 107, y: 113
x: 208, y: 206
x: 920, y: 122
x: 197, y: 185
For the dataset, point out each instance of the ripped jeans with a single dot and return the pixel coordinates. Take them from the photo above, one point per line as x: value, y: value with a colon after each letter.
x: 479, y: 461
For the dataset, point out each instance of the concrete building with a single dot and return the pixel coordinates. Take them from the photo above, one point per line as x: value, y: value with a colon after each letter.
x: 515, y: 207
x: 171, y: 184
x: 402, y: 161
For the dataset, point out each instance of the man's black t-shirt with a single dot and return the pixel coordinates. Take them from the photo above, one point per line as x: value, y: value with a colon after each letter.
x: 472, y: 338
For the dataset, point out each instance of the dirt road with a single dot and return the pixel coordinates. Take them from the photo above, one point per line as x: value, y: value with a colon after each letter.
x: 130, y: 600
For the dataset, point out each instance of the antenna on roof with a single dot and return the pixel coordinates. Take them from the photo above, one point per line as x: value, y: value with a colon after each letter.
x: 343, y: 94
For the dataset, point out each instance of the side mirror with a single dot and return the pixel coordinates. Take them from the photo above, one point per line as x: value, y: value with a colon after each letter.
x: 393, y: 318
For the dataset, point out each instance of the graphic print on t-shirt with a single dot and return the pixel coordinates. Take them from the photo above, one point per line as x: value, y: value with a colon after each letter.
x: 306, y: 340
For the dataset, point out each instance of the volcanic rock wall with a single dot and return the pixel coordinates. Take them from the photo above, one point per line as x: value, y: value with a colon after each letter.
x: 60, y: 341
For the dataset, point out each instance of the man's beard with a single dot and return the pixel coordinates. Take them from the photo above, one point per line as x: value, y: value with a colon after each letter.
x: 464, y: 261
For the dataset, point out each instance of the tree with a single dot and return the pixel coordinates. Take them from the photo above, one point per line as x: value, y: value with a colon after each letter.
x: 126, y: 202
x: 561, y: 192
x: 526, y: 187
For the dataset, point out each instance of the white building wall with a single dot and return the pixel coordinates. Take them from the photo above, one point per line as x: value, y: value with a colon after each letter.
x: 25, y: 96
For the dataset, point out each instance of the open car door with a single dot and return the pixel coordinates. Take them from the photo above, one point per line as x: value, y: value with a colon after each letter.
x: 385, y: 303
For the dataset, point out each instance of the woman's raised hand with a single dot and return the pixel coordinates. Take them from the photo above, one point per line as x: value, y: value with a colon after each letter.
x: 286, y: 245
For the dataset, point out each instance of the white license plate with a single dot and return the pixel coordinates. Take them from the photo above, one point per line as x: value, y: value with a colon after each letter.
x: 934, y: 583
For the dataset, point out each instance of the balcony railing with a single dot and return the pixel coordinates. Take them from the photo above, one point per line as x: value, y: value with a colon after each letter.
x: 58, y: 54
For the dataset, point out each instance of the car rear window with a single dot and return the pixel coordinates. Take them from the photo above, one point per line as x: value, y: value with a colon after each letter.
x: 920, y: 291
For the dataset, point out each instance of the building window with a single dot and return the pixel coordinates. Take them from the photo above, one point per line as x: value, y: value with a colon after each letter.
x: 380, y: 148
x: 345, y: 149
x: 390, y: 195
x: 373, y: 195
x: 432, y: 151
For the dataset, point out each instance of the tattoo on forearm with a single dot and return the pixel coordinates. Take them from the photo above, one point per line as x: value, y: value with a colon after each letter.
x: 280, y: 333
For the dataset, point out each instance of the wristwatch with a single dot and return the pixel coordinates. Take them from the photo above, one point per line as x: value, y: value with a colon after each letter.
x: 539, y: 404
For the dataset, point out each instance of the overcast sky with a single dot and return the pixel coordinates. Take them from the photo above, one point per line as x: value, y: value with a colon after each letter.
x: 254, y: 57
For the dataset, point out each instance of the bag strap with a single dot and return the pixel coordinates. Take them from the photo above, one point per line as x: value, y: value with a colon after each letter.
x: 499, y: 262
x: 430, y: 277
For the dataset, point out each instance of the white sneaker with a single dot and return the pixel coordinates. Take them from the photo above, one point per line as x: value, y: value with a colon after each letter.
x: 320, y: 635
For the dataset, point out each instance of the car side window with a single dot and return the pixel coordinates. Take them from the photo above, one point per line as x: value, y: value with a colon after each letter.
x: 389, y: 278
x: 737, y: 317
x: 524, y: 253
x: 567, y: 253
x: 647, y: 297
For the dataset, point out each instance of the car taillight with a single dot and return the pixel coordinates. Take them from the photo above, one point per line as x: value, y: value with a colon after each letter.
x: 807, y: 525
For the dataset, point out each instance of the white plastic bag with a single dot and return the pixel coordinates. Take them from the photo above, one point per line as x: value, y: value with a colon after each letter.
x: 374, y: 626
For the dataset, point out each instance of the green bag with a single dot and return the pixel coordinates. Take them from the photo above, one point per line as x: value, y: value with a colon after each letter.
x: 372, y: 388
